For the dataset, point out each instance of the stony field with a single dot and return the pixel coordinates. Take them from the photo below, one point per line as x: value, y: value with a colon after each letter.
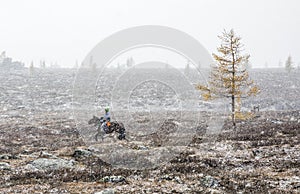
x: 45, y: 148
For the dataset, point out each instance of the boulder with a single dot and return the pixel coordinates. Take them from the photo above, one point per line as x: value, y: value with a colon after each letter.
x: 113, y: 179
x: 44, y: 154
x: 51, y: 164
x: 106, y: 191
x: 4, y: 166
x: 79, y: 153
x: 210, y: 181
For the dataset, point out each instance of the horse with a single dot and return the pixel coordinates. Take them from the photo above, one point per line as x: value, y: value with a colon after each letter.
x: 114, y: 127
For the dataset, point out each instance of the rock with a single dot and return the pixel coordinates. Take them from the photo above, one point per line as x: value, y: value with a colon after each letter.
x: 7, y: 157
x: 140, y: 147
x: 78, y: 153
x: 4, y: 157
x: 171, y: 178
x: 51, y: 164
x: 113, y: 179
x: 26, y: 151
x: 4, y: 166
x: 166, y: 177
x: 106, y: 191
x: 44, y: 154
x: 210, y: 181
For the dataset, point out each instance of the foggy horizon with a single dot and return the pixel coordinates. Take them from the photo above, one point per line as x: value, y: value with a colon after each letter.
x: 64, y: 32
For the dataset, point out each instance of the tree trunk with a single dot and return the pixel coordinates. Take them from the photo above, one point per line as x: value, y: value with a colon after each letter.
x: 233, y: 110
x: 233, y: 87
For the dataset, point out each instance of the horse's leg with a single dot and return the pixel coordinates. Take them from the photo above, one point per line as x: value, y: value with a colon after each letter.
x: 121, y: 132
x: 102, y: 135
x: 96, y: 136
x: 99, y: 133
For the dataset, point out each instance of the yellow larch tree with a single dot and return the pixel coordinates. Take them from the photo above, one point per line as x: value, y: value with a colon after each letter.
x: 229, y: 77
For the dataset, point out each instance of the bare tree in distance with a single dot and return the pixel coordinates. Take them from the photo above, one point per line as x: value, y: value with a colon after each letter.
x: 129, y: 62
x: 187, y: 68
x: 289, y: 64
x: 31, y: 68
x: 42, y: 64
x: 76, y: 65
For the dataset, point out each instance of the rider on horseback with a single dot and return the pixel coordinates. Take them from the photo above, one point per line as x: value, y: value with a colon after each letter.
x: 104, y: 126
x: 106, y: 120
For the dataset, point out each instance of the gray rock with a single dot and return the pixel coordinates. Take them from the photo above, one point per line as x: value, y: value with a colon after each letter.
x: 78, y: 153
x: 106, y: 191
x: 8, y: 156
x: 210, y: 181
x: 4, y: 166
x: 5, y: 156
x: 142, y: 147
x: 51, y: 164
x: 113, y: 179
x: 44, y: 154
x: 171, y: 178
x: 166, y: 177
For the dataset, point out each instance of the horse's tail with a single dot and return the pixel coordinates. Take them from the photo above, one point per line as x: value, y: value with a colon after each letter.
x: 121, y: 125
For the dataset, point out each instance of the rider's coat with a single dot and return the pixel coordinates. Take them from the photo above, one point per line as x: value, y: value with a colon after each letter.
x: 107, y: 116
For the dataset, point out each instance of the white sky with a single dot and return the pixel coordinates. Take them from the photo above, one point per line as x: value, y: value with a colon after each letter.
x: 65, y: 31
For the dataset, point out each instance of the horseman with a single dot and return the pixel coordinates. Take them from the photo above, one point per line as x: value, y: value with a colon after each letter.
x: 106, y: 120
x: 105, y: 126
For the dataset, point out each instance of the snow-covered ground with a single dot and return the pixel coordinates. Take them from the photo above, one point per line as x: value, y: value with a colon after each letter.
x: 47, y: 146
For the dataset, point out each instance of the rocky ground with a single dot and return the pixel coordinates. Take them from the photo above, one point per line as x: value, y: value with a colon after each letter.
x: 261, y: 156
x: 43, y: 151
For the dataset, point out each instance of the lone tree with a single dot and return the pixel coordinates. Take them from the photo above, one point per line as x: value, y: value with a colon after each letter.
x: 31, y: 68
x: 229, y: 77
x: 187, y: 68
x: 289, y: 64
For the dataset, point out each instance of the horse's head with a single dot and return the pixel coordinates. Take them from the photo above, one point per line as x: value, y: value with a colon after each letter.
x: 94, y: 120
